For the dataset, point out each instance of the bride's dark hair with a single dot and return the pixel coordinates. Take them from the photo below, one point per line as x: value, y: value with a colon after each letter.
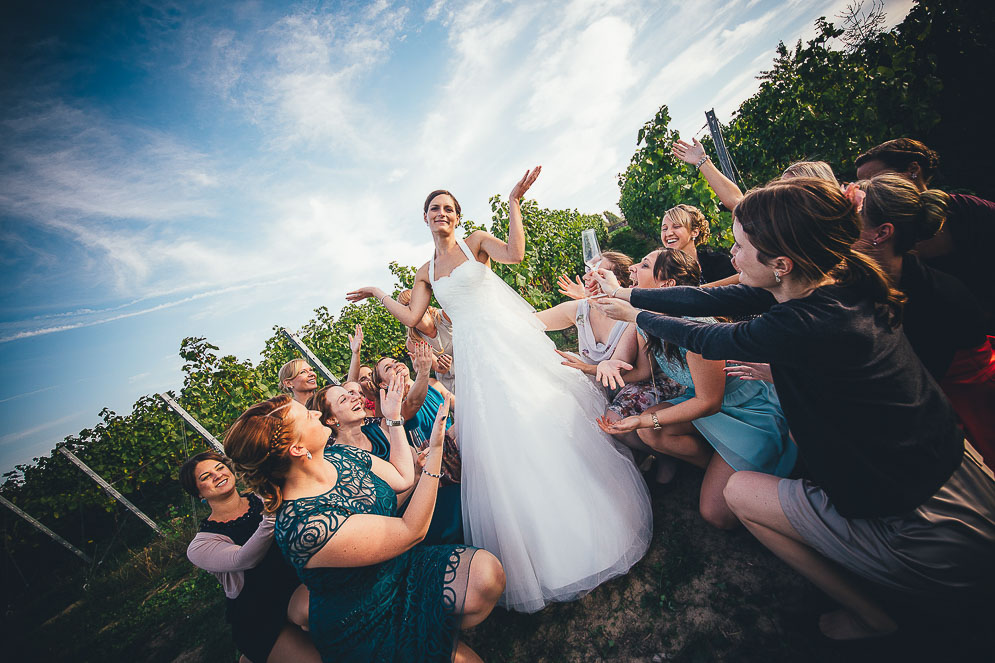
x: 439, y: 192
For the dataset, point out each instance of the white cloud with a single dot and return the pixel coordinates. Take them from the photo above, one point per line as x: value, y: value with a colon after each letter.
x: 27, y: 432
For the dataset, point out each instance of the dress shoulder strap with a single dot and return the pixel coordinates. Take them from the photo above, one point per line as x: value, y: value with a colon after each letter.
x: 466, y: 249
x: 431, y: 268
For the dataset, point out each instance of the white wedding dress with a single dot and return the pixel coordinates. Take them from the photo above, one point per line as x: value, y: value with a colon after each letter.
x: 544, y: 489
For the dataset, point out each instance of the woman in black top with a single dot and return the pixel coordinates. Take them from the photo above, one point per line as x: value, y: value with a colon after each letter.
x: 943, y: 321
x: 893, y: 497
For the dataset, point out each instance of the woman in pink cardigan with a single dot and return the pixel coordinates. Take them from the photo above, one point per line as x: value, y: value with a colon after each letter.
x: 266, y: 604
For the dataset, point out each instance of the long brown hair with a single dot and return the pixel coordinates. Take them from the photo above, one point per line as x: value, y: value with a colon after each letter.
x: 915, y: 216
x: 257, y: 443
x: 811, y: 222
x: 684, y: 270
x: 621, y: 263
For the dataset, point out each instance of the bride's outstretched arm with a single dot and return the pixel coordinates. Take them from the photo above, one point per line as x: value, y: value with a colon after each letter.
x: 513, y: 251
x: 409, y: 315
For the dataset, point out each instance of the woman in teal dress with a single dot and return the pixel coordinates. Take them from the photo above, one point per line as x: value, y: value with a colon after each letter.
x: 720, y: 423
x: 375, y: 595
x: 341, y: 409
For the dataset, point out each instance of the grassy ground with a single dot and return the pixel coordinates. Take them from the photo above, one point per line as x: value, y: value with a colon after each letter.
x: 699, y: 595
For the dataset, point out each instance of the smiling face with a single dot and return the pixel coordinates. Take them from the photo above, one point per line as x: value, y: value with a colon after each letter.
x: 345, y: 404
x: 388, y: 367
x: 746, y: 261
x: 213, y: 479
x: 305, y: 380
x: 676, y: 235
x: 642, y: 272
x: 441, y: 215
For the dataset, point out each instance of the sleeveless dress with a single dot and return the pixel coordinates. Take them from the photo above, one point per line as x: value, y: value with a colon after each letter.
x: 591, y: 351
x: 544, y: 489
x: 749, y: 431
x: 405, y: 609
x: 259, y: 612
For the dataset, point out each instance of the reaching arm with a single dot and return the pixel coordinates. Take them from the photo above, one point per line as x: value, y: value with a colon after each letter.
x: 399, y: 473
x: 724, y: 188
x: 218, y: 554
x: 513, y: 251
x: 409, y: 315
x: 364, y: 539
x: 709, y: 389
x: 559, y: 317
x: 355, y: 344
x: 616, y: 372
x: 422, y: 360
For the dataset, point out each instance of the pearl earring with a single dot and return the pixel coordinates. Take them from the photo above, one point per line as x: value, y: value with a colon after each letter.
x: 777, y: 277
x: 874, y: 242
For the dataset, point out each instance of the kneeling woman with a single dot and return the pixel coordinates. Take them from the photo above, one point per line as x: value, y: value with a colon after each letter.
x: 235, y: 544
x: 893, y: 497
x: 719, y: 424
x: 374, y: 595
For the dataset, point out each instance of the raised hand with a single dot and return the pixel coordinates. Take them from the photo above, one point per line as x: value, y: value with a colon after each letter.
x: 392, y: 397
x: 439, y: 428
x: 573, y: 362
x: 745, y: 370
x: 626, y: 425
x: 616, y: 309
x: 360, y: 294
x: 523, y: 184
x: 606, y: 280
x: 444, y: 363
x: 609, y: 372
x: 691, y: 154
x: 422, y: 357
x: 570, y: 289
x: 356, y: 341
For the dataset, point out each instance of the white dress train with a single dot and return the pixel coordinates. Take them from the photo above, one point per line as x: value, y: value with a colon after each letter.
x: 543, y: 488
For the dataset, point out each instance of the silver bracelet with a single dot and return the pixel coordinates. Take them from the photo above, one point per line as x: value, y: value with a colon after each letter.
x: 701, y: 162
x: 616, y: 290
x: 380, y: 299
x: 437, y: 476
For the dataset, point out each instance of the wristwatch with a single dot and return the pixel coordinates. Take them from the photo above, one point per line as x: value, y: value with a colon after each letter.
x: 392, y: 422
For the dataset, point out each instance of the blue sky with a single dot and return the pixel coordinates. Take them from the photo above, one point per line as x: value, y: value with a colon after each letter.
x: 173, y: 169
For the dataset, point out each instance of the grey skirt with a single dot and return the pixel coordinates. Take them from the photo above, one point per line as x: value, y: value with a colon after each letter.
x: 947, y: 545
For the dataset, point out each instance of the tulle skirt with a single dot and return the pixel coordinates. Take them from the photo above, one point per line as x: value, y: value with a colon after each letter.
x: 544, y: 489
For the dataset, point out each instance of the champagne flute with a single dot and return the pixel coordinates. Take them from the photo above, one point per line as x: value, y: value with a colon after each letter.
x: 592, y: 252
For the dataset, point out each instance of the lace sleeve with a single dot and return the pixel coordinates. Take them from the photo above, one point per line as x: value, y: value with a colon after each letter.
x: 304, y: 527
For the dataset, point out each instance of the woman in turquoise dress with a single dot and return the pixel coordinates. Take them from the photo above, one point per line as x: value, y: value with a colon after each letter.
x: 342, y: 410
x: 719, y: 423
x: 375, y: 595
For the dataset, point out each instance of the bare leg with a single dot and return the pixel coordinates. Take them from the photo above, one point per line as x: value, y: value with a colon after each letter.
x: 299, y: 606
x: 752, y: 496
x: 484, y: 588
x: 293, y: 646
x: 466, y: 655
x: 682, y: 441
x: 711, y: 502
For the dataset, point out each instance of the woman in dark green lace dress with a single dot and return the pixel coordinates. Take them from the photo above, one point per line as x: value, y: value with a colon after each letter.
x: 374, y: 595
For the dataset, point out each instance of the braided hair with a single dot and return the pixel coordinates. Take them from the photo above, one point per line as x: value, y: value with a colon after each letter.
x: 257, y: 443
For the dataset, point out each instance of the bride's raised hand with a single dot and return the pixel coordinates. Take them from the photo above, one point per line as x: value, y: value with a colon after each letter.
x: 609, y: 372
x: 626, y: 425
x: 360, y: 294
x: 616, y: 309
x: 518, y: 191
x: 570, y: 289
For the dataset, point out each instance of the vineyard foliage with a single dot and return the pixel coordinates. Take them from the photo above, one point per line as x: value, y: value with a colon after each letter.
x: 828, y: 99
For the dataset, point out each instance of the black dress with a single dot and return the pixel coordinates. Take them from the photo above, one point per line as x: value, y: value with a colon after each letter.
x: 259, y: 612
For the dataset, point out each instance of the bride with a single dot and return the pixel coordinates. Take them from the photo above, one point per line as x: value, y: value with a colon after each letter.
x: 543, y: 488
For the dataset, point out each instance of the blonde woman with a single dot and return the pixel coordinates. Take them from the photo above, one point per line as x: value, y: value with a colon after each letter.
x: 298, y: 379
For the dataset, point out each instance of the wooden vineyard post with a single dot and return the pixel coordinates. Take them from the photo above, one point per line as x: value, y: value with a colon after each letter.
x: 110, y: 489
x: 55, y: 537
x: 213, y: 441
x: 310, y: 356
